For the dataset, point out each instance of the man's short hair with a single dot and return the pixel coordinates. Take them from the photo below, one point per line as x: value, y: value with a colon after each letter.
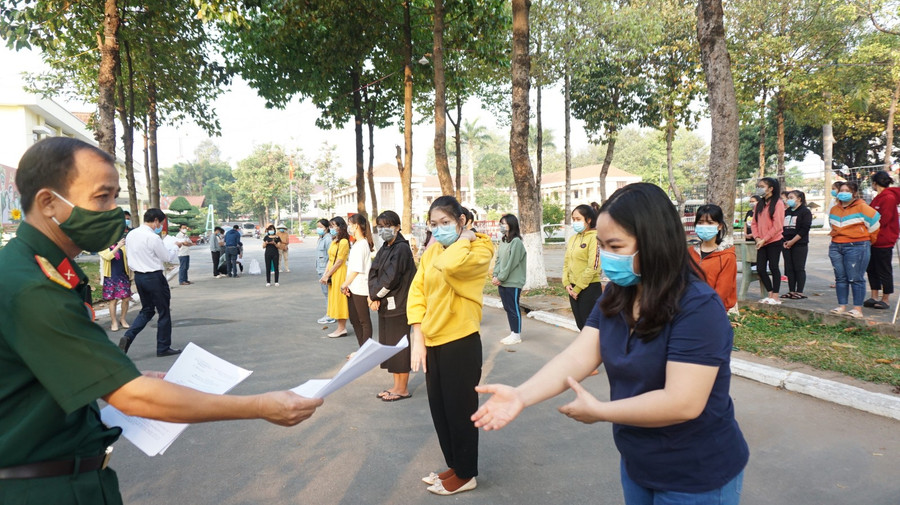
x: 219, y: 228
x: 235, y: 227
x: 128, y: 213
x: 154, y: 214
x: 49, y: 163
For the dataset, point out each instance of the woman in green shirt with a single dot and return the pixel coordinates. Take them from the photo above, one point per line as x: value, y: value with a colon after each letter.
x: 581, y: 267
x: 509, y: 276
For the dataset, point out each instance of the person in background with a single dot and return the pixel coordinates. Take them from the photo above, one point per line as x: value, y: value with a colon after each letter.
x: 509, y: 276
x: 748, y: 225
x: 322, y: 245
x: 217, y: 248
x: 854, y: 228
x: 581, y: 266
x: 715, y: 254
x: 797, y: 222
x: 444, y: 310
x: 880, y: 270
x: 285, y: 238
x: 116, y: 282
x: 390, y: 276
x: 183, y: 242
x: 270, y: 260
x: 768, y: 226
x: 356, y: 285
x: 127, y: 222
x: 338, y: 251
x: 666, y: 342
x: 233, y: 247
x: 470, y: 219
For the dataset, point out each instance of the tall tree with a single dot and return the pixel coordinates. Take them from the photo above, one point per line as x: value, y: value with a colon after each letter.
x: 440, y: 102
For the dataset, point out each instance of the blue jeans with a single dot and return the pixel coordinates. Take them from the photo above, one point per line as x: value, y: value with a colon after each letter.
x: 510, y: 299
x: 184, y: 262
x: 850, y: 262
x: 635, y: 494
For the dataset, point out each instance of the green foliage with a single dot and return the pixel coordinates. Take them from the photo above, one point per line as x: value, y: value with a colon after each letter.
x: 325, y: 171
x: 553, y: 213
x: 261, y: 180
x: 207, y: 175
x: 180, y: 205
x: 493, y: 199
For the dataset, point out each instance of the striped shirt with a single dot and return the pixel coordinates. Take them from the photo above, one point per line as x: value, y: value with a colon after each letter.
x: 856, y: 222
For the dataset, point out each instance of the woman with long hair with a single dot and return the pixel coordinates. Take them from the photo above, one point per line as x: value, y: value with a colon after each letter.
x: 881, y: 273
x: 116, y: 282
x: 854, y: 228
x: 665, y: 341
x: 390, y: 276
x: 581, y: 265
x: 356, y: 285
x: 445, y: 309
x: 768, y: 226
x: 338, y: 307
x: 797, y: 222
x: 509, y: 276
x: 323, y: 244
x: 715, y: 254
x: 271, y: 243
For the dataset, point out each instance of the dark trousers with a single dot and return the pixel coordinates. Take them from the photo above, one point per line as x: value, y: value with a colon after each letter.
x: 510, y: 298
x: 390, y: 331
x: 231, y: 255
x: 184, y: 263
x: 271, y: 264
x: 454, y: 370
x: 216, y: 255
x: 360, y: 318
x: 587, y: 299
x: 795, y: 266
x: 153, y: 289
x: 767, y: 261
x: 880, y: 270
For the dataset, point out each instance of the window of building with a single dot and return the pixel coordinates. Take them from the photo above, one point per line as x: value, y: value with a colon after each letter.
x: 387, y: 194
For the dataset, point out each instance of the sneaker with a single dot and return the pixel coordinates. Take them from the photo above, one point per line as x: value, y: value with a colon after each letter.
x: 324, y: 320
x: 267, y: 284
x: 765, y: 300
x: 276, y: 284
x: 512, y: 339
x: 331, y: 320
x: 773, y: 301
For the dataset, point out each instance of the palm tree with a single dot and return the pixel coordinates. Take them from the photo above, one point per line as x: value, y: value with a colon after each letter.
x: 473, y: 135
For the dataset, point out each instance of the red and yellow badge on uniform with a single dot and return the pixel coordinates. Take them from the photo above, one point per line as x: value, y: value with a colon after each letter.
x: 63, y: 274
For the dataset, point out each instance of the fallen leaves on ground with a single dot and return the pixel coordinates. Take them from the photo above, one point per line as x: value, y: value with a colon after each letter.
x: 840, y: 345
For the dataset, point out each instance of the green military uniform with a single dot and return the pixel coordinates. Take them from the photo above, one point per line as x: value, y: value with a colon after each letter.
x: 54, y: 364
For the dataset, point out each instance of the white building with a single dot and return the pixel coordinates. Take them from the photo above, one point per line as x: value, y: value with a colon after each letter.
x: 585, y: 184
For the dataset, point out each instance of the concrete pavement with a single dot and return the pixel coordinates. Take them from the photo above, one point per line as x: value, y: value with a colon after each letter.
x: 359, y: 450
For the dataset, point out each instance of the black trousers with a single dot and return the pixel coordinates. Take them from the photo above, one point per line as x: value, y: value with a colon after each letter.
x: 880, y: 270
x: 767, y: 261
x: 510, y: 298
x: 153, y: 289
x: 360, y: 318
x: 216, y: 255
x: 390, y: 331
x: 271, y: 263
x: 454, y: 370
x: 587, y: 299
x: 795, y: 266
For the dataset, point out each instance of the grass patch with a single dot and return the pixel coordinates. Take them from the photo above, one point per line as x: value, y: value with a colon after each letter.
x: 553, y: 290
x: 850, y: 350
x: 92, y: 270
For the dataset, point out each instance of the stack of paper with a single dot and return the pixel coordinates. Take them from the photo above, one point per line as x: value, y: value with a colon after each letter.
x: 370, y: 355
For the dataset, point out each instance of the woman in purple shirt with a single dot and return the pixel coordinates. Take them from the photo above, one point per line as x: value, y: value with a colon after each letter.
x: 665, y: 340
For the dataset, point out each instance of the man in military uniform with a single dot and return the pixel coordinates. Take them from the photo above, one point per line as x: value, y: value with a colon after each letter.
x: 55, y: 362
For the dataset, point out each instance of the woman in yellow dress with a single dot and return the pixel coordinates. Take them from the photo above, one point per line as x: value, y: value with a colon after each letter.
x: 338, y: 307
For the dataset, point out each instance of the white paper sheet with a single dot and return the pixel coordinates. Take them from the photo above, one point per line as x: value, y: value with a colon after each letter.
x: 195, y: 368
x: 370, y: 355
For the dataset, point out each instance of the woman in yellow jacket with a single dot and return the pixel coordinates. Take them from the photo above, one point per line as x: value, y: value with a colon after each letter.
x: 444, y: 310
x: 338, y: 304
x: 116, y: 282
x: 581, y: 266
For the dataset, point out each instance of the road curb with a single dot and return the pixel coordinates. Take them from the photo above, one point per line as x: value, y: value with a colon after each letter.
x: 823, y: 389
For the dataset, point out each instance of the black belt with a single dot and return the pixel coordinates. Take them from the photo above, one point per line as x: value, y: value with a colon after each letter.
x: 57, y: 468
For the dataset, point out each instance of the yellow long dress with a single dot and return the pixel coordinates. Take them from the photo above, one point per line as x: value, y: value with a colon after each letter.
x: 338, y: 307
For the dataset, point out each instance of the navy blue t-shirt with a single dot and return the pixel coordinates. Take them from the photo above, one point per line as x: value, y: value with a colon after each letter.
x: 690, y: 457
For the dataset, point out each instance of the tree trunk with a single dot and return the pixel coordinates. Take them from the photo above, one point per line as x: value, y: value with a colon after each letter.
x: 611, y: 136
x: 109, y: 63
x: 723, y: 156
x: 406, y: 170
x: 779, y: 118
x: 360, y: 160
x: 151, y: 145
x: 471, y: 171
x: 529, y: 202
x: 458, y: 142
x: 539, y: 136
x: 370, y: 123
x: 567, y: 110
x: 827, y: 145
x: 147, y: 158
x: 670, y: 138
x: 762, y: 135
x: 127, y: 138
x: 440, y: 103
x: 889, y: 130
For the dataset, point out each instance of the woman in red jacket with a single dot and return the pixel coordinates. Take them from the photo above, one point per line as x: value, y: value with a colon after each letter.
x: 880, y: 271
x: 715, y: 254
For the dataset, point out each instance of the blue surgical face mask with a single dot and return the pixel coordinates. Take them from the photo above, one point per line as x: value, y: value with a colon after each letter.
x: 834, y: 192
x: 333, y: 232
x: 845, y: 196
x: 320, y: 231
x: 157, y: 230
x: 271, y: 232
x: 619, y: 268
x: 791, y: 202
x: 128, y: 223
x: 578, y: 226
x: 446, y: 235
x: 706, y: 231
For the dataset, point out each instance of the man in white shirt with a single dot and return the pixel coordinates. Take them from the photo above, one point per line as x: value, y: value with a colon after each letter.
x: 146, y: 254
x: 183, y: 241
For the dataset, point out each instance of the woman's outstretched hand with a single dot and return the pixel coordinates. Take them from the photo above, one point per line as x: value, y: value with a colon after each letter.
x: 500, y: 409
x: 584, y: 408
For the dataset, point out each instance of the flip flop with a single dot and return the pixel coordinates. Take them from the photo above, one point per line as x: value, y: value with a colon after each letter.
x: 394, y: 397
x: 800, y: 296
x: 787, y: 296
x: 382, y: 394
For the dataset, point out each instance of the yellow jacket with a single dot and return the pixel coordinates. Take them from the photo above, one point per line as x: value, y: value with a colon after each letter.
x: 446, y: 295
x: 581, y: 265
x: 106, y: 256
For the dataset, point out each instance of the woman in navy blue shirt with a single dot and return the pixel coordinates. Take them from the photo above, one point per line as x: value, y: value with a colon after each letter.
x: 665, y: 340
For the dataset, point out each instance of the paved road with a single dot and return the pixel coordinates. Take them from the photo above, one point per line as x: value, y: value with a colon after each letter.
x: 359, y: 450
